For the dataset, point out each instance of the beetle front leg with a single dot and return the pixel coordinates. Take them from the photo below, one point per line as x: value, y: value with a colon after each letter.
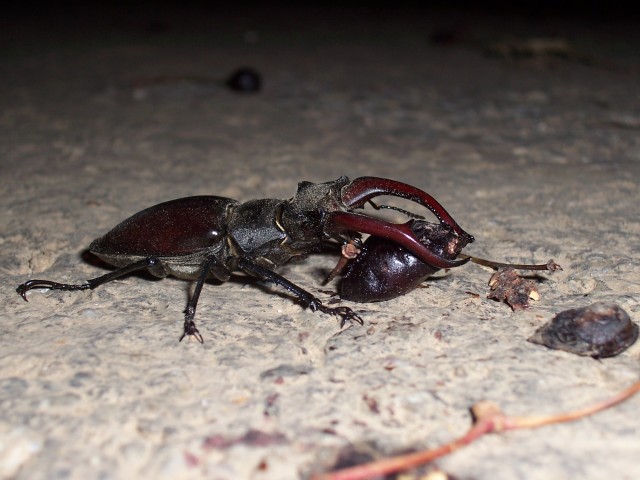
x: 314, y: 303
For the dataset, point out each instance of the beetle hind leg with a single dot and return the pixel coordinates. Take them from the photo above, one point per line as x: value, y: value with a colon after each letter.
x: 152, y: 264
x: 314, y: 303
x: 49, y: 285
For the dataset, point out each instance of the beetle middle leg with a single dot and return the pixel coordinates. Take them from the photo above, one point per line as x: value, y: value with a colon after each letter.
x: 314, y: 303
x: 211, y: 264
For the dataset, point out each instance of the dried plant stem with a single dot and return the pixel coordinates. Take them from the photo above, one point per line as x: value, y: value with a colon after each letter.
x: 488, y: 418
x: 535, y: 422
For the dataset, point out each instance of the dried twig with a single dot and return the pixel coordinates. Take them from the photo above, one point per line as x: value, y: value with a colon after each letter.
x: 488, y: 418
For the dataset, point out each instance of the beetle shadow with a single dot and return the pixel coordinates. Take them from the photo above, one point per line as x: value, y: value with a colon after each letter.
x: 91, y: 259
x: 535, y: 277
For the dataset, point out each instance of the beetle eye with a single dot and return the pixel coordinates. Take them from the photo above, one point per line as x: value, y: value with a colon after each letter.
x: 304, y: 184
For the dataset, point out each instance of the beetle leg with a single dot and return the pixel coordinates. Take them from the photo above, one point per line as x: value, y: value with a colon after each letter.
x: 314, y: 303
x: 361, y: 190
x: 151, y: 263
x: 399, y: 233
x: 189, y: 324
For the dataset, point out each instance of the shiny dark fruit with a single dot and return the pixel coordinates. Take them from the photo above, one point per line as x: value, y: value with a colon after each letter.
x: 384, y: 270
x: 600, y: 330
x: 245, y: 80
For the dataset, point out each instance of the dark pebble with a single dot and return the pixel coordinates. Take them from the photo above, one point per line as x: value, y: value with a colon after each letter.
x: 245, y: 80
x: 599, y: 330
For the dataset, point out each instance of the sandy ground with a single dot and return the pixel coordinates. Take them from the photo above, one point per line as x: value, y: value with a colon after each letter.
x: 537, y: 157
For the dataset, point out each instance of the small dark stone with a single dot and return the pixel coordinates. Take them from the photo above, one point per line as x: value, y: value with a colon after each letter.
x: 285, y: 370
x: 352, y: 455
x: 599, y: 330
x: 245, y: 80
x: 252, y: 438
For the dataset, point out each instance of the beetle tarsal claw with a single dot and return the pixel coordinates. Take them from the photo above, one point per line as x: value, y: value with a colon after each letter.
x: 190, y: 329
x: 344, y: 312
x: 350, y: 315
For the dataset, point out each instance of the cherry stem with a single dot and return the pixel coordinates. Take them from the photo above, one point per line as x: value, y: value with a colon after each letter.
x: 488, y: 418
x: 550, y: 266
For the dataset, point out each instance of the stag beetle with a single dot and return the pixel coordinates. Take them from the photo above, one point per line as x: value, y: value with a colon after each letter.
x: 197, y: 238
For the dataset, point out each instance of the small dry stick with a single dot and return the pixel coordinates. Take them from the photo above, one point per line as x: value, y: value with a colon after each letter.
x: 488, y: 418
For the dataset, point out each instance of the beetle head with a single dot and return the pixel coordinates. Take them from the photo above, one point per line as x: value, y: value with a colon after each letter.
x: 303, y: 215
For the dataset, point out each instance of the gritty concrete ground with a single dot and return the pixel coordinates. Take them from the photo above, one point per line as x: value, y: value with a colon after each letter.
x: 538, y: 157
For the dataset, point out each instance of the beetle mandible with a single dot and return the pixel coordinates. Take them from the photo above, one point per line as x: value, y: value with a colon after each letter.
x: 202, y: 237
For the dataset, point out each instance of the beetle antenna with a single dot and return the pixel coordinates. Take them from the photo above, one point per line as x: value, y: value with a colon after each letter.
x: 397, y: 209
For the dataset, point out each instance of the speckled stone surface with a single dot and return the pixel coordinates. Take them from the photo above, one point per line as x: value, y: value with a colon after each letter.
x: 538, y: 157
